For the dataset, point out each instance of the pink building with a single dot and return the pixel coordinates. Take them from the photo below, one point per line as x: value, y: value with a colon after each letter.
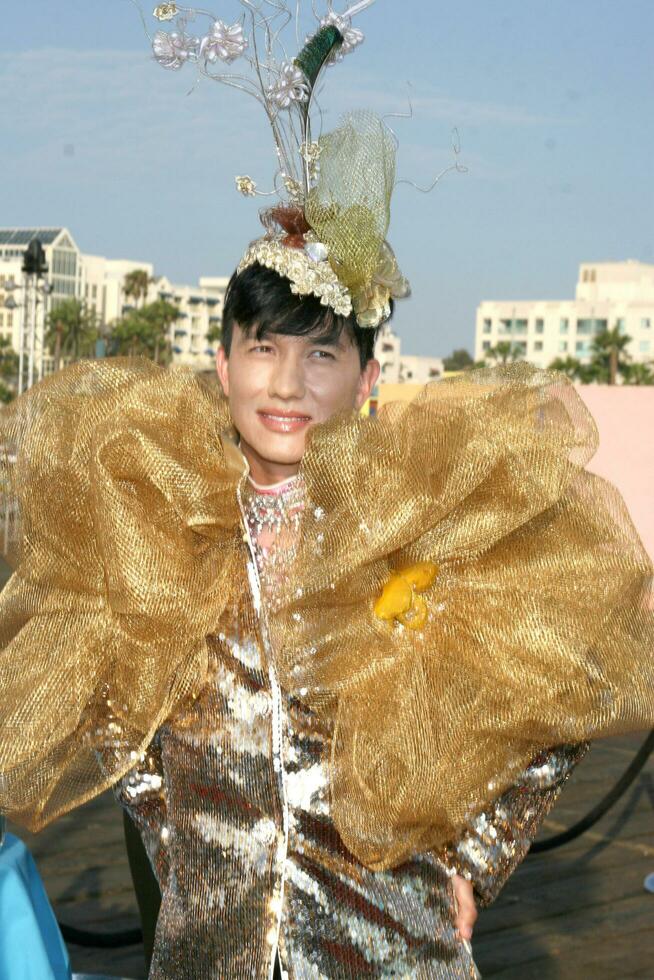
x: 625, y: 419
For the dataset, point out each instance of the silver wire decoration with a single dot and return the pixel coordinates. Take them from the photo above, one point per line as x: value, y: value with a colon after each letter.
x: 265, y: 72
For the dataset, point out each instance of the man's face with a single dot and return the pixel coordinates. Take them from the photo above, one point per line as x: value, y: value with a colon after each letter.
x: 280, y: 386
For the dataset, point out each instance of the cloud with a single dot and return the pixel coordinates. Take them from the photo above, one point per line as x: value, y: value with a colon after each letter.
x: 112, y: 112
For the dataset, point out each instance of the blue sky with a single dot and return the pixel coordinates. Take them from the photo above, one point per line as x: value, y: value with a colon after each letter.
x: 552, y: 103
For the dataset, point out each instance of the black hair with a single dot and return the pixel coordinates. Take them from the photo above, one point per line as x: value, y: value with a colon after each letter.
x: 260, y: 299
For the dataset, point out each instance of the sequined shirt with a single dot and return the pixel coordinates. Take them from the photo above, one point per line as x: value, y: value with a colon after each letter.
x: 232, y: 802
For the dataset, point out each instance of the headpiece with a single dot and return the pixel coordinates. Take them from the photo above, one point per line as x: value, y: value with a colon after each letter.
x: 327, y: 232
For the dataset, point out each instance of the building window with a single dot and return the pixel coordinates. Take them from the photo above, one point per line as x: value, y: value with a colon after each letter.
x: 591, y: 276
x: 563, y: 326
x: 581, y: 347
x: 540, y: 326
x: 505, y: 326
x: 645, y: 323
x: 520, y: 326
x: 590, y: 326
x: 521, y: 347
x: 488, y: 324
x: 644, y: 346
x: 485, y: 345
x: 538, y: 345
x: 10, y: 319
x: 620, y: 324
x: 563, y: 346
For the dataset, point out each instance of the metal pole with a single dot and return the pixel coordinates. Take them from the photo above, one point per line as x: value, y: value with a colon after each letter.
x: 22, y: 333
x: 40, y: 326
x: 33, y: 301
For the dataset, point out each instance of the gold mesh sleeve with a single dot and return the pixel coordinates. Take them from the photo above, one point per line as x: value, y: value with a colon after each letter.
x: 539, y: 625
x: 128, y: 523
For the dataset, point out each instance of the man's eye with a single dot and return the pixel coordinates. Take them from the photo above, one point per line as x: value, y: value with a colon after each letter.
x: 323, y: 354
x: 261, y: 347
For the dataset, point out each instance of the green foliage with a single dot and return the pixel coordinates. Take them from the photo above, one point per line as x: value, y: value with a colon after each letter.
x: 8, y: 370
x: 609, y: 355
x: 136, y: 284
x: 7, y: 394
x: 215, y: 334
x: 145, y: 331
x: 638, y: 374
x: 504, y: 351
x: 571, y: 367
x: 458, y: 360
x: 609, y: 360
x: 71, y: 330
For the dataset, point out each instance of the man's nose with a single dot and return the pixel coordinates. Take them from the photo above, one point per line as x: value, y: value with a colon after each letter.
x: 287, y: 379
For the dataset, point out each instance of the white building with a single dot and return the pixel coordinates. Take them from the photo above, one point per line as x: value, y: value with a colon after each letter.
x: 419, y: 370
x: 397, y: 367
x: 64, y: 275
x: 608, y: 294
x: 387, y: 352
x: 103, y: 285
x: 200, y: 312
x: 99, y: 282
x: 11, y: 277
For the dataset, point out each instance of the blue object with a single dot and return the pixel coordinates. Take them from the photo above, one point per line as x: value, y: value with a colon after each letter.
x: 31, y: 946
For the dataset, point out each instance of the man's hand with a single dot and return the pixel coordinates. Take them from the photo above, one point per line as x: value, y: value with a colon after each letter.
x: 466, y: 910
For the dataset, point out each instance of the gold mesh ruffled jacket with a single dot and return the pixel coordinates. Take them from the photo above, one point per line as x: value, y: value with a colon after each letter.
x: 306, y: 775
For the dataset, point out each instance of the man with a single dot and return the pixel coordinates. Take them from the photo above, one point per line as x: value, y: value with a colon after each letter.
x: 233, y: 800
x: 339, y: 668
x: 195, y: 617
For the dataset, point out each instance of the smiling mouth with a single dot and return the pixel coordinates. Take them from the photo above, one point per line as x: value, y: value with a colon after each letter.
x: 285, y: 418
x: 283, y: 423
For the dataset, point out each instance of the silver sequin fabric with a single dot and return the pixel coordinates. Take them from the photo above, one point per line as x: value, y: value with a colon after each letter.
x: 232, y: 802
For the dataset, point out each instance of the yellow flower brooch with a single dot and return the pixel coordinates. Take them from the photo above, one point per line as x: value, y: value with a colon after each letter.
x: 400, y: 597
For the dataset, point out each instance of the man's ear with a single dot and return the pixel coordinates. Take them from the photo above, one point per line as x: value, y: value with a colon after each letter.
x: 367, y: 381
x: 221, y: 369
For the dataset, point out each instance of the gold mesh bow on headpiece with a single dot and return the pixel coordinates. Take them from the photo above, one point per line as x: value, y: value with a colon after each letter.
x: 337, y: 188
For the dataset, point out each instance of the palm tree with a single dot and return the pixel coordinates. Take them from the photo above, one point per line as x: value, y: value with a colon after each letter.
x: 569, y: 366
x: 504, y: 351
x: 160, y: 316
x: 8, y: 370
x: 130, y: 334
x: 638, y: 374
x: 609, y: 353
x: 71, y: 329
x: 136, y: 284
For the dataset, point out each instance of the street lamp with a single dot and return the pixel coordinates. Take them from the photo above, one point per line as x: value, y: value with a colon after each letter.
x: 31, y: 338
